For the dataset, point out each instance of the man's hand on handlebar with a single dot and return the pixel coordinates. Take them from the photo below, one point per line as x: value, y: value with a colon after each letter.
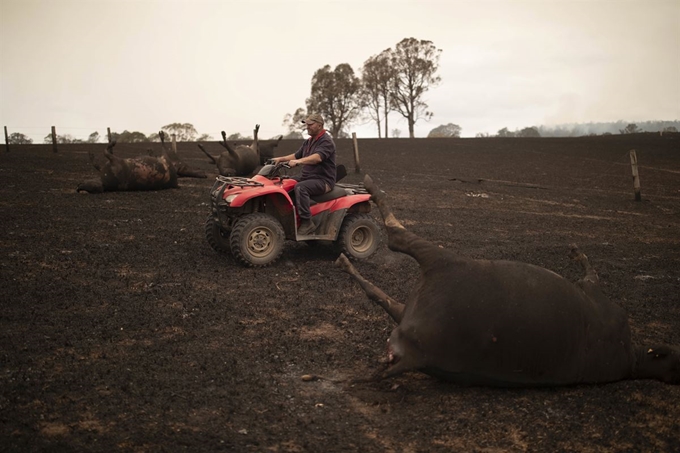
x: 278, y: 163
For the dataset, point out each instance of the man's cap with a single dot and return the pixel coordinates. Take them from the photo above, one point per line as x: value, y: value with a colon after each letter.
x: 313, y: 118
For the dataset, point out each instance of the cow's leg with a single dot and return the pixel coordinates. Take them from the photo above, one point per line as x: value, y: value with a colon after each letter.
x: 590, y: 274
x: 186, y: 171
x: 111, y: 157
x: 94, y: 186
x: 92, y: 161
x: 398, y: 238
x: 392, y: 307
x: 255, y: 146
x: 207, y: 154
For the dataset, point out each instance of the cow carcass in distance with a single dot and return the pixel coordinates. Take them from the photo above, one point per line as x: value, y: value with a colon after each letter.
x: 241, y: 160
x: 183, y: 170
x: 130, y: 174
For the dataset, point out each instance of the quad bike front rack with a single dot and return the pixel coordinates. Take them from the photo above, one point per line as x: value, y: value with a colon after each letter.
x: 223, y: 183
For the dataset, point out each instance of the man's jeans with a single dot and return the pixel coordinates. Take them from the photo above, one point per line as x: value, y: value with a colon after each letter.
x: 304, y: 190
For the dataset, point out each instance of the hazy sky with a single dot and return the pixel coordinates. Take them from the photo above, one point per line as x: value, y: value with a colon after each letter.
x: 83, y: 65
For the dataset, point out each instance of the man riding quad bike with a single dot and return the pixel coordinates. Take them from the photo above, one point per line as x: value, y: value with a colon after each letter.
x: 252, y: 217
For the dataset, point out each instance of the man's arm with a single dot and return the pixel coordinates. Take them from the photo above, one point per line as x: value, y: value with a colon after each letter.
x: 287, y: 158
x: 312, y: 159
x: 321, y: 152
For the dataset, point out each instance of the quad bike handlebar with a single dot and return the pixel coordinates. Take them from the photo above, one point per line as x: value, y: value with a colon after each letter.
x: 273, y: 162
x: 272, y: 169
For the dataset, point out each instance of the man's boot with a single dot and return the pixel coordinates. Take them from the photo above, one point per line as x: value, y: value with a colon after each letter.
x: 307, y: 226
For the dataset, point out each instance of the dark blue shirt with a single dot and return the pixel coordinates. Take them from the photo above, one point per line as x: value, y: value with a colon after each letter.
x: 324, y: 146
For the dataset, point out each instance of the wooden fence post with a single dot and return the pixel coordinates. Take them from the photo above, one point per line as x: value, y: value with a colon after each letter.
x: 6, y: 140
x: 636, y: 176
x: 108, y: 134
x: 357, y: 166
x: 174, y: 143
x: 54, y: 139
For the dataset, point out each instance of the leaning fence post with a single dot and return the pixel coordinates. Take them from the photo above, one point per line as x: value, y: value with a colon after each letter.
x: 357, y: 166
x: 6, y: 140
x: 174, y: 144
x: 636, y: 176
x: 54, y: 139
x: 108, y: 134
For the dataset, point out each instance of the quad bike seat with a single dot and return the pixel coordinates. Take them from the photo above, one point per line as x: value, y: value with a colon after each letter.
x: 337, y: 192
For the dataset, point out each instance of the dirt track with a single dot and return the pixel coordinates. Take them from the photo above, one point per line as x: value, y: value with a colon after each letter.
x: 122, y: 330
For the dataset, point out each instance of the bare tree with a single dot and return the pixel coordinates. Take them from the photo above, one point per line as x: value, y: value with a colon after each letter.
x: 64, y: 139
x: 336, y: 96
x: 93, y: 138
x: 632, y: 128
x: 377, y: 76
x: 238, y: 136
x: 445, y: 130
x: 17, y: 138
x: 416, y: 63
x: 183, y: 132
x: 529, y: 132
x: 129, y: 137
x: 293, y: 122
x: 506, y: 133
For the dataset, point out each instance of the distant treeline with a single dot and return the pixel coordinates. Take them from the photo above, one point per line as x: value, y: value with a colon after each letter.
x: 618, y: 127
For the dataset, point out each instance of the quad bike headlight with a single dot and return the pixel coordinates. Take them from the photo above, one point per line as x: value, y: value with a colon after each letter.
x: 230, y: 198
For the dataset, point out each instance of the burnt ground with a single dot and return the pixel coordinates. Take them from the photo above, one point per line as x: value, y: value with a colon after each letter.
x: 121, y: 329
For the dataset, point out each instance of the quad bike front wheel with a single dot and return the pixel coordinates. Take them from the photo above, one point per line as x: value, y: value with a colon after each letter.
x: 359, y: 236
x: 257, y: 239
x: 217, y: 237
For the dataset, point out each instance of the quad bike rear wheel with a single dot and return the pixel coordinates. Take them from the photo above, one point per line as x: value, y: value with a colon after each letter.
x: 217, y: 237
x: 359, y: 236
x: 257, y: 239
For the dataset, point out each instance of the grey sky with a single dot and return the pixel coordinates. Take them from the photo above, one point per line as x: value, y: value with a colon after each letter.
x: 83, y: 65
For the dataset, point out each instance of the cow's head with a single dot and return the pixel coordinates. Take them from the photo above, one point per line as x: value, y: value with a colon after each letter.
x: 659, y: 362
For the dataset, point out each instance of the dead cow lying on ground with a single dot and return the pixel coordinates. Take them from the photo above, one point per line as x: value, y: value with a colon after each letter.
x: 182, y: 169
x: 266, y: 148
x: 137, y: 173
x: 239, y: 161
x: 505, y: 323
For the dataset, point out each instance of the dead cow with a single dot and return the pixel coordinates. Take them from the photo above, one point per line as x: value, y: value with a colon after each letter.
x: 266, y: 149
x: 138, y: 173
x: 183, y: 170
x: 239, y: 161
x: 505, y: 323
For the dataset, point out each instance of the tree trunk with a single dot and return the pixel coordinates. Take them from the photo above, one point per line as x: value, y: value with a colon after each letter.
x: 411, y: 124
x: 386, y: 115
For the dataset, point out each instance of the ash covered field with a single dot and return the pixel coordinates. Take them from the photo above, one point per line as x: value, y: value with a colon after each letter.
x: 121, y: 329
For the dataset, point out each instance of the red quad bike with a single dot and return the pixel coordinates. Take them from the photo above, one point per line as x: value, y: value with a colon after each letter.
x: 252, y: 217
